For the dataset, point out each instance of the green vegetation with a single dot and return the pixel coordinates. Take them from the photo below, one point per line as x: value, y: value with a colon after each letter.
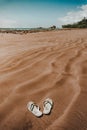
x: 52, y: 27
x: 80, y: 24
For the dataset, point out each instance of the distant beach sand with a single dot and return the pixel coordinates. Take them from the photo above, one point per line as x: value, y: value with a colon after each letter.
x: 39, y: 65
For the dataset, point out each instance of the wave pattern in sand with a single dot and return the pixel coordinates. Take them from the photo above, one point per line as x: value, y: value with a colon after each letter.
x: 40, y: 65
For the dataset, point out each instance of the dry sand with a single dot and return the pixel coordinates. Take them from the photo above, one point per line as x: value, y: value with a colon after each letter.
x: 41, y: 65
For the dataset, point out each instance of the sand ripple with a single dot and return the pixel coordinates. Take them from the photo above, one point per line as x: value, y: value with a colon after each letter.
x: 40, y: 65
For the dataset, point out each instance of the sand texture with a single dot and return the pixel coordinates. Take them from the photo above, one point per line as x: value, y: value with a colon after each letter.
x: 36, y: 66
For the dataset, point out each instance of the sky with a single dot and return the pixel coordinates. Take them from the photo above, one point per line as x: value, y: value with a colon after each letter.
x: 40, y: 13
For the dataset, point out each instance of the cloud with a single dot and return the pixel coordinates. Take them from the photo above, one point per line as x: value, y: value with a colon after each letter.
x: 6, y: 23
x: 74, y: 16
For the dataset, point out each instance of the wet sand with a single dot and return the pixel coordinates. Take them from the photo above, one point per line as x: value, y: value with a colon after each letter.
x: 40, y: 65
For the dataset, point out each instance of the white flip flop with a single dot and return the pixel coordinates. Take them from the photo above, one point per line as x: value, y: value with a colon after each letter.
x: 32, y: 107
x: 48, y: 105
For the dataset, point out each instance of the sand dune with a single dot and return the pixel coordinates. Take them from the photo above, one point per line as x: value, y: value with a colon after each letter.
x: 40, y: 65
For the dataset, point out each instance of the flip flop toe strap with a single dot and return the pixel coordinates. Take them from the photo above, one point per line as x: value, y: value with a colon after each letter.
x: 46, y: 102
x: 32, y: 106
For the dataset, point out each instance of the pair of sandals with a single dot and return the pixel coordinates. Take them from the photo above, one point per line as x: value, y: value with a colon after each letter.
x: 47, y: 107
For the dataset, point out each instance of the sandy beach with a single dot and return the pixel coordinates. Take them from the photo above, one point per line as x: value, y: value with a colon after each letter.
x: 35, y: 66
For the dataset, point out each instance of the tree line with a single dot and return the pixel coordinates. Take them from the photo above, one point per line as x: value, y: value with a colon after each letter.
x: 80, y: 24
